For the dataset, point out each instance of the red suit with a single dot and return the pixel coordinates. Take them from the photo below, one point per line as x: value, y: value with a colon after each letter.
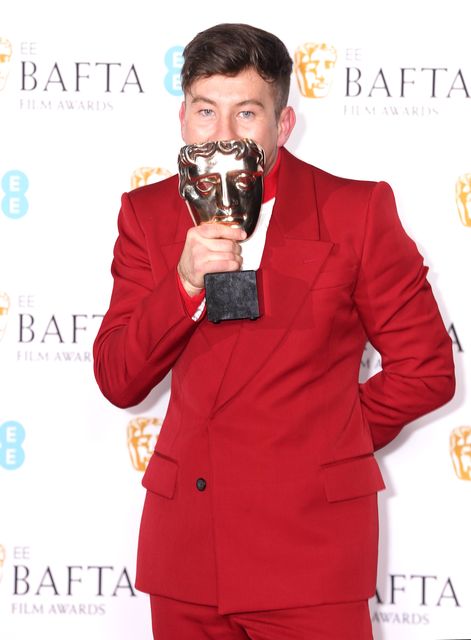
x: 262, y: 490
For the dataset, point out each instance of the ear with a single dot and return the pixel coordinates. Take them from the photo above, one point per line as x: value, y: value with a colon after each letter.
x: 181, y: 115
x: 286, y: 123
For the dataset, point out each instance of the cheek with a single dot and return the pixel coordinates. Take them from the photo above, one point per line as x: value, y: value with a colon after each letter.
x: 195, y: 131
x: 243, y: 201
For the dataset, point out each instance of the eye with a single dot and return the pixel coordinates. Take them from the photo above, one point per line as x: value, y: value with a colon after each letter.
x: 244, y: 181
x: 246, y: 115
x: 206, y: 113
x: 206, y: 185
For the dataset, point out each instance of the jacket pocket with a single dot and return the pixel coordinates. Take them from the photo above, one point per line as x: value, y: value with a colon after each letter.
x: 352, y: 478
x: 161, y: 476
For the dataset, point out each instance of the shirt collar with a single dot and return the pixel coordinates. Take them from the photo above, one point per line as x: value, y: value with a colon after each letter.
x: 270, y: 182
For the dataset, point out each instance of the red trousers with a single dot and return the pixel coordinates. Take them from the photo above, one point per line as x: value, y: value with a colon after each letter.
x: 176, y: 620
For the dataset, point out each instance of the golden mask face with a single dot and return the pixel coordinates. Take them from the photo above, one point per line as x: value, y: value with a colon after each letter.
x: 460, y: 451
x: 314, y: 66
x: 463, y: 198
x: 148, y: 175
x: 5, y: 58
x: 142, y: 438
x: 4, y: 309
x: 222, y: 181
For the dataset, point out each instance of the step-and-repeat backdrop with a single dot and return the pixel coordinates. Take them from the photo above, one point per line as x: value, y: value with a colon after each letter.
x: 89, y: 98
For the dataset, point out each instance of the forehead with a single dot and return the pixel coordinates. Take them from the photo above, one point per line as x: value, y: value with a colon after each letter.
x: 222, y: 163
x: 246, y: 85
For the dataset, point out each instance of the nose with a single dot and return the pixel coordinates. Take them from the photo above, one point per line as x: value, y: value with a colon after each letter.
x: 223, y: 194
x: 226, y: 129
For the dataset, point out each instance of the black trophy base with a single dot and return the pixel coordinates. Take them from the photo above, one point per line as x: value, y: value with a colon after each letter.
x: 231, y: 295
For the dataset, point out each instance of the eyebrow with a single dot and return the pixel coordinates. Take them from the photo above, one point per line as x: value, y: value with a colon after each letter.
x: 243, y: 103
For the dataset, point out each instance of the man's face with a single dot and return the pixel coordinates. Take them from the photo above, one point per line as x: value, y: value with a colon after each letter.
x: 229, y: 108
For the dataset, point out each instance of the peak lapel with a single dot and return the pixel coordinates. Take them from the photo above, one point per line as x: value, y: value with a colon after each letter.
x: 173, y: 247
x: 292, y: 258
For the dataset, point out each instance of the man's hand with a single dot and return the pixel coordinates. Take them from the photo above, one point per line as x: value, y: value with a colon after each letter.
x: 209, y: 248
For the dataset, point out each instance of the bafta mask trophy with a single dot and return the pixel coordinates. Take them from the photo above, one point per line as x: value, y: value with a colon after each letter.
x: 222, y: 181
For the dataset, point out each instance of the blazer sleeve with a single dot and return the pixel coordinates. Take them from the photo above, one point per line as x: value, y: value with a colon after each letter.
x: 146, y: 326
x: 402, y: 322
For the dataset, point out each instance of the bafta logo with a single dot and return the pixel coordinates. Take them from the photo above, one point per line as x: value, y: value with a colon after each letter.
x: 2, y: 560
x: 463, y: 198
x: 4, y: 309
x: 142, y: 438
x: 5, y: 58
x: 148, y: 175
x: 314, y: 66
x: 460, y: 450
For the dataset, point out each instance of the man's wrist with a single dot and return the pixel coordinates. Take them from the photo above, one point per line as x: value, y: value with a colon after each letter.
x: 192, y: 303
x: 190, y: 289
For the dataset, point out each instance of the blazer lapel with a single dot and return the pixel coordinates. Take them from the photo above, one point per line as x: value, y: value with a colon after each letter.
x: 173, y: 246
x: 292, y: 258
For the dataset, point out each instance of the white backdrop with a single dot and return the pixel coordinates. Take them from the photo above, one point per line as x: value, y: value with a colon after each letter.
x: 89, y: 95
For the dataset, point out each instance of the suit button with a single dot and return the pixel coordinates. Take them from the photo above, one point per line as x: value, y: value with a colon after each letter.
x: 201, y: 484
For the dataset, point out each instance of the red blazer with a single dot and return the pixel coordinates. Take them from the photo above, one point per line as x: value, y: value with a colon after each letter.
x: 270, y: 412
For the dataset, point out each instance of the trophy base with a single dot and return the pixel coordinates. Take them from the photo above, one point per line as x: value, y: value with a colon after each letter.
x: 231, y: 295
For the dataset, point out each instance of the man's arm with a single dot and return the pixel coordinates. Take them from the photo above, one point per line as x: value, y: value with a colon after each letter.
x: 147, y: 325
x: 402, y: 322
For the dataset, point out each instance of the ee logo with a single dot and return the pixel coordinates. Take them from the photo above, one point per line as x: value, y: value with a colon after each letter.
x: 12, y: 455
x: 174, y: 64
x: 14, y: 203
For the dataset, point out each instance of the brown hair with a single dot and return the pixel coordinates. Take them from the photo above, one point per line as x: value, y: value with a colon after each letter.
x: 228, y: 49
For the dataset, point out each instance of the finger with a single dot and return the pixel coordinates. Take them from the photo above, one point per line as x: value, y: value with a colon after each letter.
x: 214, y: 266
x: 217, y: 230
x: 219, y: 244
x: 221, y: 257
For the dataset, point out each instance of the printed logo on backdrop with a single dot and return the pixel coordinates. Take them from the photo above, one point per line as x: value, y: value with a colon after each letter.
x: 148, y: 175
x: 460, y: 451
x: 12, y: 436
x: 142, y: 435
x: 463, y: 198
x: 5, y: 61
x: 44, y: 82
x: 14, y: 187
x: 424, y: 595
x: 173, y: 65
x: 45, y: 335
x: 364, y: 86
x: 314, y: 66
x: 4, y: 310
x: 39, y: 586
x: 3, y: 554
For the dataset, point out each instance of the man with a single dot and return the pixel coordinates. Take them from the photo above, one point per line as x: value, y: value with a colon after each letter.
x: 260, y: 518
